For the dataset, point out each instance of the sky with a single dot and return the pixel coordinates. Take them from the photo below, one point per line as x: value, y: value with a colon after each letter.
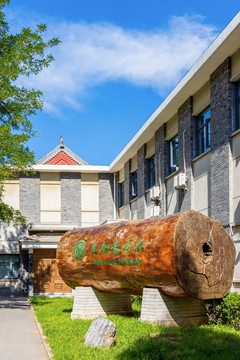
x: 116, y: 63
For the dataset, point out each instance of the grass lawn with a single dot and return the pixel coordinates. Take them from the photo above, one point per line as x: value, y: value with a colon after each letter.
x: 135, y: 340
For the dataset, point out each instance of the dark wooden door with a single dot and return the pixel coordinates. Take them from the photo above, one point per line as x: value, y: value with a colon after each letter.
x: 47, y: 278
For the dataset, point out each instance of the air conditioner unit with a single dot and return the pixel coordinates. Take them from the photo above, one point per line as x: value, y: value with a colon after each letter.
x: 154, y: 193
x: 155, y: 211
x: 179, y: 181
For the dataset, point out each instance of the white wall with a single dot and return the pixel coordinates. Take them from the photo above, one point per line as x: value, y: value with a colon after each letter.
x: 172, y: 197
x: 236, y: 66
x: 8, y: 239
x: 149, y: 204
x: 134, y: 209
x: 202, y: 184
x: 50, y: 198
x: 90, y: 199
x: 121, y: 212
x: 150, y: 148
x: 172, y: 127
x: 201, y: 100
x: 11, y: 193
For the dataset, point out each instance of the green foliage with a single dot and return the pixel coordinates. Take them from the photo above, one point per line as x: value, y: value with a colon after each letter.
x: 229, y: 310
x: 7, y: 214
x: 135, y: 340
x: 212, y: 310
x: 21, y: 54
x: 136, y: 299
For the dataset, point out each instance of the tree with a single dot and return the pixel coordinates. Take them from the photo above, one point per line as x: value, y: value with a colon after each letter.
x: 21, y: 54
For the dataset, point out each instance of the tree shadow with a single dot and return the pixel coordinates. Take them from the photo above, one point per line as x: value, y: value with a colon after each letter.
x: 67, y: 310
x: 14, y: 302
x: 40, y: 300
x: 192, y: 343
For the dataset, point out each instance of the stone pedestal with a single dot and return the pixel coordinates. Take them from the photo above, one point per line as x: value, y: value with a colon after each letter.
x: 90, y: 303
x: 165, y: 310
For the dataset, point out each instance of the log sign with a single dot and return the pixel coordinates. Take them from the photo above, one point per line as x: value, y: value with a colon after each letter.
x: 185, y: 255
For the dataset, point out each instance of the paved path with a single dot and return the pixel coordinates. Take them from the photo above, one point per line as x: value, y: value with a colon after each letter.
x: 19, y: 336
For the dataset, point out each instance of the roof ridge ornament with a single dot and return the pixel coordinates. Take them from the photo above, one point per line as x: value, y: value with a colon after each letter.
x: 61, y: 142
x: 54, y: 156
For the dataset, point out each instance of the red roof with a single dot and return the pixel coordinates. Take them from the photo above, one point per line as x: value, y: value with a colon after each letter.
x: 61, y: 159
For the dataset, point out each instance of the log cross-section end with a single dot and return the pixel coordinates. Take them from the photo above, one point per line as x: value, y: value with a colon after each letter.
x: 204, y: 256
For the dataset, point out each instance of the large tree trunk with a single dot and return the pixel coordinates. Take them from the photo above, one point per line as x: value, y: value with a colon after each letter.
x: 186, y: 254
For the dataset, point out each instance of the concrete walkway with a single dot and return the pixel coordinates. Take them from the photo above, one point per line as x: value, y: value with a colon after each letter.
x: 19, y: 336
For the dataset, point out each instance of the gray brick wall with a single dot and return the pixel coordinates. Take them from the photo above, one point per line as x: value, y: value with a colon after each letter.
x: 127, y: 209
x: 161, y: 156
x: 30, y: 197
x: 71, y: 198
x: 106, y: 196
x: 221, y: 129
x: 185, y: 139
x: 141, y: 202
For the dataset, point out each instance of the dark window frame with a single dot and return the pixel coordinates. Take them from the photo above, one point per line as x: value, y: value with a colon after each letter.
x: 133, y: 192
x: 173, y: 153
x: 150, y: 172
x: 11, y: 263
x: 203, y: 131
x: 120, y: 194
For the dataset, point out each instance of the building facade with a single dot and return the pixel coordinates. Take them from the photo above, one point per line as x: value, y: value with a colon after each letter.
x: 64, y: 193
x: 186, y: 156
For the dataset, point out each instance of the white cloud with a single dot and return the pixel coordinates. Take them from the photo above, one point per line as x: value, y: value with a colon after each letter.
x: 93, y: 54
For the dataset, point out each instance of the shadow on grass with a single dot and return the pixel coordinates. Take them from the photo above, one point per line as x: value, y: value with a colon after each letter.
x: 40, y: 301
x: 67, y: 310
x: 186, y: 343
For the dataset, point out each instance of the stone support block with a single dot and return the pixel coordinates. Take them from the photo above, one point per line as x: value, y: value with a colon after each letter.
x: 170, y: 311
x: 90, y: 303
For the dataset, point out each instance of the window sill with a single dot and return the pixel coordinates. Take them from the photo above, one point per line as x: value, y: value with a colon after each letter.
x: 235, y: 223
x: 9, y: 280
x: 236, y: 132
x: 202, y: 155
x: 121, y: 207
x: 148, y: 190
x: 133, y: 200
x: 171, y: 175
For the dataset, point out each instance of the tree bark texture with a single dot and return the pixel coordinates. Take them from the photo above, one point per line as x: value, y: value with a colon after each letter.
x: 185, y: 255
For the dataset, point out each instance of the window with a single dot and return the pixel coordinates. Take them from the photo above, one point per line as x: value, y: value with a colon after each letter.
x: 9, y: 266
x: 150, y: 172
x: 238, y: 105
x: 203, y: 132
x: 173, y: 155
x: 133, y: 185
x: 120, y: 194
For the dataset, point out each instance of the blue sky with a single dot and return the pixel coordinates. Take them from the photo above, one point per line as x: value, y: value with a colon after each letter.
x: 117, y: 62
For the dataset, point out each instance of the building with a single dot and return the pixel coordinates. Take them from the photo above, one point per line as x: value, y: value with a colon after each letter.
x: 186, y: 156
x: 64, y: 193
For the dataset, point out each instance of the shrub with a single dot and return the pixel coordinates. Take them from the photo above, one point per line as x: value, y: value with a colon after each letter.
x: 213, y: 310
x: 229, y: 310
x: 137, y: 299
